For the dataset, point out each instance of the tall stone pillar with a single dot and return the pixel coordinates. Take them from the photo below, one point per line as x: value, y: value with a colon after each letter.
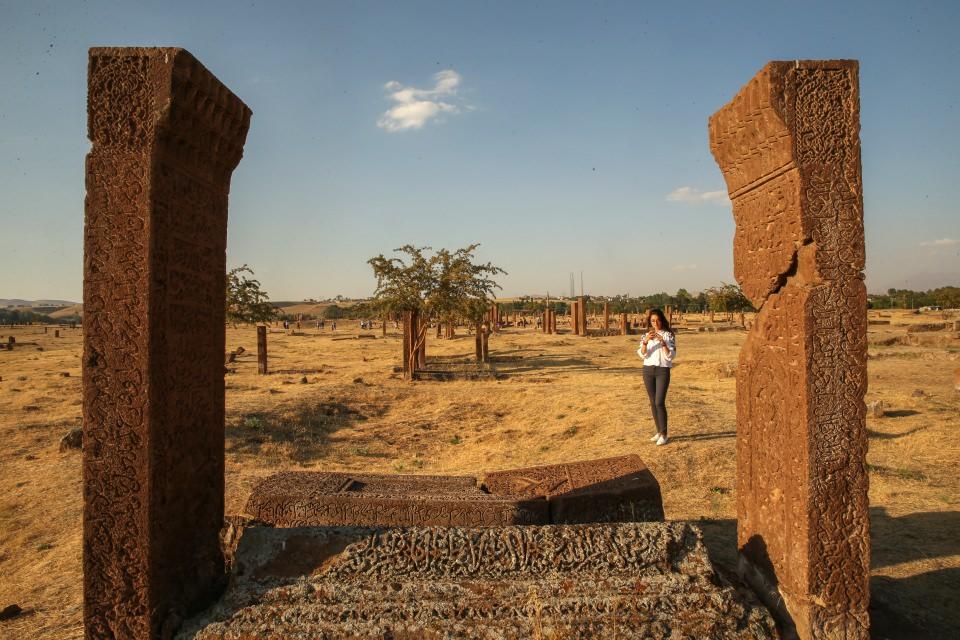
x: 582, y: 316
x: 166, y: 136
x: 411, y: 336
x: 478, y: 342
x: 624, y: 324
x: 788, y: 146
x: 262, y: 350
x: 606, y: 316
x: 421, y: 341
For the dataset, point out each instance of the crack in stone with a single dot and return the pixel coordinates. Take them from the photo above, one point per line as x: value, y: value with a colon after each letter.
x: 788, y: 274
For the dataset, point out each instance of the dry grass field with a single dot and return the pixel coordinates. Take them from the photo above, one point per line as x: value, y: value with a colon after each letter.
x: 560, y: 398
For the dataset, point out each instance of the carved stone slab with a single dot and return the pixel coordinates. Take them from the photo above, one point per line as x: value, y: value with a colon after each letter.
x: 635, y: 580
x: 619, y: 489
x: 300, y: 498
x: 166, y: 136
x: 609, y: 490
x: 788, y: 146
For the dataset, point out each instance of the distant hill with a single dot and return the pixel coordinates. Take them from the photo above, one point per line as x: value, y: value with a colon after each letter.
x: 16, y: 302
x: 66, y: 312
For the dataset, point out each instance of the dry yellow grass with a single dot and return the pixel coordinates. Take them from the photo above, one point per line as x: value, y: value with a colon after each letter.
x: 565, y: 398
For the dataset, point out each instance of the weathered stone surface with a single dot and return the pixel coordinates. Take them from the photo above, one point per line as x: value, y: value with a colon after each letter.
x: 166, y: 135
x: 646, y: 580
x: 302, y: 498
x: 609, y: 490
x: 788, y: 146
x: 618, y: 489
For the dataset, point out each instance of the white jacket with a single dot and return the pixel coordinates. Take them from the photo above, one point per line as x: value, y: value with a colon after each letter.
x: 656, y: 356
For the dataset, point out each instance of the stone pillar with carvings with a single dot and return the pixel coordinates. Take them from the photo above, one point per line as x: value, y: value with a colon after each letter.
x: 789, y: 148
x: 166, y: 136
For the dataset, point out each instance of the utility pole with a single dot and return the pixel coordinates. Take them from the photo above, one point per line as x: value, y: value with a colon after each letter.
x: 573, y: 289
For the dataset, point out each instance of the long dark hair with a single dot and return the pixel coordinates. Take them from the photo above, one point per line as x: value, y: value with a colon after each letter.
x: 664, y: 323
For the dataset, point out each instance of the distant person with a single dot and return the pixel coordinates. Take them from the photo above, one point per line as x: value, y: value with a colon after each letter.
x: 658, y: 348
x: 333, y: 325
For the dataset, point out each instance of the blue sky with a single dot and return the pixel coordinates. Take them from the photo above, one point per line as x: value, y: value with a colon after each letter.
x: 552, y: 133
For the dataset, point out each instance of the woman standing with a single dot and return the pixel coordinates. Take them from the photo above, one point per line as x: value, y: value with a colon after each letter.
x: 658, y: 349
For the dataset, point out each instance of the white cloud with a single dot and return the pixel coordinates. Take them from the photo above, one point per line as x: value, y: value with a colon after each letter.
x: 942, y: 242
x: 416, y: 107
x: 684, y: 267
x: 692, y: 195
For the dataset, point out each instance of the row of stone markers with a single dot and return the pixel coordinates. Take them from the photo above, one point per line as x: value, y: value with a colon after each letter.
x: 548, y: 321
x: 166, y: 136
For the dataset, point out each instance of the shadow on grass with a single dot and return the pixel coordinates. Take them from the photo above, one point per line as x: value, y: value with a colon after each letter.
x: 508, y: 363
x: 694, y: 437
x: 899, y: 413
x: 919, y: 607
x: 926, y: 605
x: 913, y: 536
x: 879, y: 435
x: 300, y: 433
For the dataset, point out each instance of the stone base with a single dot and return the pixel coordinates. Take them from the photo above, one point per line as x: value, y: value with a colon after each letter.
x: 628, y: 580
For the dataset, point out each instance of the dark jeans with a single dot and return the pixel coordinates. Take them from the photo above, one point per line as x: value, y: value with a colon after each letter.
x: 656, y: 380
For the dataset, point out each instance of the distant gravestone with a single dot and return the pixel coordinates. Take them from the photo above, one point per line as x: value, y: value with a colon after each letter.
x: 166, y: 136
x: 262, y: 350
x: 788, y: 146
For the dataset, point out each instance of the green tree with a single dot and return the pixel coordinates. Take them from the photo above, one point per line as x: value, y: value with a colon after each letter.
x: 402, y: 285
x: 443, y: 286
x: 461, y: 286
x: 333, y: 312
x: 246, y: 301
x: 947, y: 297
x: 727, y: 297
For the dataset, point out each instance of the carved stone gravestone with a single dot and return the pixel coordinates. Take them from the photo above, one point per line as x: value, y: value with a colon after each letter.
x: 788, y: 146
x: 618, y: 489
x: 166, y: 137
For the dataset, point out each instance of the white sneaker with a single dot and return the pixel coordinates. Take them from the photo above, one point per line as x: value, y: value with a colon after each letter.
x: 661, y: 440
x: 655, y: 437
